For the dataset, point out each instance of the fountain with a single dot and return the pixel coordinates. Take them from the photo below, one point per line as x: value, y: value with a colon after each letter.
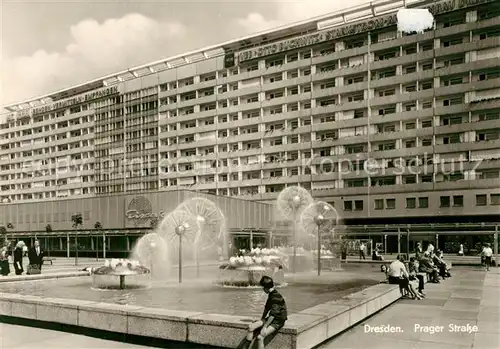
x: 247, y: 269
x: 104, y: 277
x: 211, y: 236
x: 177, y: 228
x: 290, y: 203
x: 152, y: 250
x: 198, y: 225
x: 320, y: 218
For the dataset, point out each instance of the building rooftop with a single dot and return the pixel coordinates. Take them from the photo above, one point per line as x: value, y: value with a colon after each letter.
x: 339, y: 18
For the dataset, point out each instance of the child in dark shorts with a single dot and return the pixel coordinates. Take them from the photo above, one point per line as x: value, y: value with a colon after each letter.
x: 274, y: 316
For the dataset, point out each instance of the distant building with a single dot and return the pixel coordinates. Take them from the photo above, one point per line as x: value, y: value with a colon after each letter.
x: 122, y: 219
x: 388, y: 127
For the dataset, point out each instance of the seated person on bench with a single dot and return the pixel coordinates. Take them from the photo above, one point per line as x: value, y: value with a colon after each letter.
x: 444, y: 269
x: 398, y: 275
x: 274, y: 316
x: 427, y: 266
x: 376, y: 256
x: 413, y: 271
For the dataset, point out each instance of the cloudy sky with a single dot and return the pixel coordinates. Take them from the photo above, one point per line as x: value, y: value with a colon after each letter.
x: 49, y: 45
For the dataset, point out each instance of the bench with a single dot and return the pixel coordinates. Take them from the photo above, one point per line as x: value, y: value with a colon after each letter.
x: 48, y: 259
x: 424, y: 275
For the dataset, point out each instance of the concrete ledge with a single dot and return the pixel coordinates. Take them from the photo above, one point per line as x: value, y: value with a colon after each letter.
x: 365, y: 261
x: 305, y: 329
x: 47, y: 276
x: 389, y: 261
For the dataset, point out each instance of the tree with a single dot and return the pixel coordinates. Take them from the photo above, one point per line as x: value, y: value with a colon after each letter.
x: 98, y: 225
x: 3, y: 236
x: 77, y: 220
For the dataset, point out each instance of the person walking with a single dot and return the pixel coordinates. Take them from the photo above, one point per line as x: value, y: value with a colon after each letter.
x: 35, y: 256
x: 487, y: 253
x: 4, y: 261
x: 362, y: 254
x: 18, y: 257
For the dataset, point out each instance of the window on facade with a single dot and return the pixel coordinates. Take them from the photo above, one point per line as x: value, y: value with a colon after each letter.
x: 444, y: 201
x: 348, y: 206
x: 426, y: 142
x: 481, y: 200
x: 458, y: 200
x: 379, y: 204
x: 390, y: 204
x: 410, y: 179
x: 495, y: 199
x: 358, y: 205
x: 423, y: 202
x: 411, y: 202
x: 427, y: 179
x: 426, y: 123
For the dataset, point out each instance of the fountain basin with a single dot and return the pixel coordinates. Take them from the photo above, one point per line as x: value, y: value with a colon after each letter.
x: 303, y: 263
x: 249, y: 276
x: 120, y: 281
x: 305, y: 329
x: 328, y: 262
x: 117, y: 273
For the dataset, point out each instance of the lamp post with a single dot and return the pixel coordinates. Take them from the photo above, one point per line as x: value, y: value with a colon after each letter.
x: 201, y: 226
x: 319, y: 219
x: 295, y: 206
x: 180, y: 231
x: 76, y: 249
x: 153, y: 248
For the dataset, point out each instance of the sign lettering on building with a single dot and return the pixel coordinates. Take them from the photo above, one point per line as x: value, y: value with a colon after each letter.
x: 139, y: 209
x: 76, y: 100
x: 137, y: 215
x: 348, y: 30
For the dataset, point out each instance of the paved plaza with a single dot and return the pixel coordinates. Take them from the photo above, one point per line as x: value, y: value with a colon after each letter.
x: 470, y: 298
x: 21, y: 337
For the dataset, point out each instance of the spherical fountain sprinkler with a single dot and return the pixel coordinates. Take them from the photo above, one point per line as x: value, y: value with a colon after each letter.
x: 180, y: 230
x: 291, y: 201
x: 182, y: 226
x: 211, y: 225
x: 152, y: 250
x: 320, y: 217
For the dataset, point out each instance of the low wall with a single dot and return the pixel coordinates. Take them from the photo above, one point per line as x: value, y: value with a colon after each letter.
x: 384, y: 262
x: 303, y: 330
x: 44, y: 276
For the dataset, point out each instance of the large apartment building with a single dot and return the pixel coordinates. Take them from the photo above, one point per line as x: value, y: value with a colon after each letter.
x: 382, y: 124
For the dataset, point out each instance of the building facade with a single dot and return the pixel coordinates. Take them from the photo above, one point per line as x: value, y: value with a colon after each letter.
x: 389, y: 127
x: 121, y: 219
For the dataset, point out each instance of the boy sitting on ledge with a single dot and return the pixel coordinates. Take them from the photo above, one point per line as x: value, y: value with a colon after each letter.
x: 273, y: 318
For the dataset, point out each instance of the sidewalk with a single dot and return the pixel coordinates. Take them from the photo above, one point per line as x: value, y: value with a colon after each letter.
x: 21, y: 337
x: 92, y: 262
x: 470, y: 298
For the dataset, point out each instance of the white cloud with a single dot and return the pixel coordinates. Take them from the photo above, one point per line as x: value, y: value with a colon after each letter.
x: 95, y: 49
x: 254, y: 22
x: 290, y: 12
